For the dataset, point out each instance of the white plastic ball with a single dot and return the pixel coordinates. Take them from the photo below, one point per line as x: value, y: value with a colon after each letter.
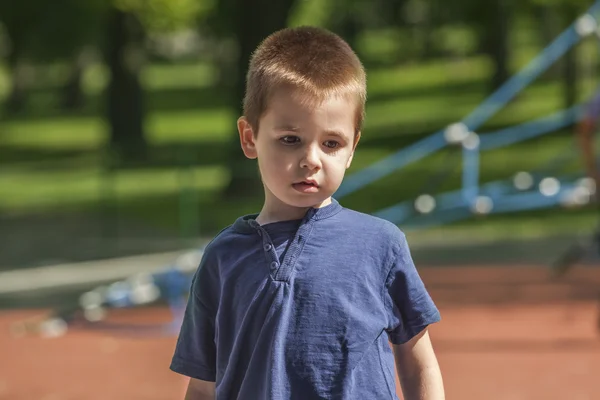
x: 425, y: 204
x: 549, y: 187
x: 523, y: 180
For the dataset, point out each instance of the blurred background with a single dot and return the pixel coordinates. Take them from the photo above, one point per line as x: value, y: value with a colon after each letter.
x: 118, y: 127
x: 119, y: 150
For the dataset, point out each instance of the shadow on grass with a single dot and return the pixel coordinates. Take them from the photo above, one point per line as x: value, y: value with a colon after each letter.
x: 160, y: 156
x: 179, y: 99
x: 44, y: 103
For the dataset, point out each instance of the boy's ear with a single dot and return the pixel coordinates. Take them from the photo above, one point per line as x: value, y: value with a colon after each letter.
x: 356, y: 139
x: 246, y: 138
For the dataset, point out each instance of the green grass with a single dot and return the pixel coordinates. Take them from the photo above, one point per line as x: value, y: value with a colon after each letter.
x: 70, y: 188
x: 87, y: 133
x: 52, y: 161
x: 190, y: 125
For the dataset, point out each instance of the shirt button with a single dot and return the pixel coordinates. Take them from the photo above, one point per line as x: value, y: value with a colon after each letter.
x: 274, y: 264
x: 268, y: 247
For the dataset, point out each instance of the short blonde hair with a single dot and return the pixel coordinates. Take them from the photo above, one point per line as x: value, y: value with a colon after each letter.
x: 314, y: 60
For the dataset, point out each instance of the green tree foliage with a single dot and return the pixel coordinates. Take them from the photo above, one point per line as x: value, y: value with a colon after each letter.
x: 165, y: 15
x: 42, y: 30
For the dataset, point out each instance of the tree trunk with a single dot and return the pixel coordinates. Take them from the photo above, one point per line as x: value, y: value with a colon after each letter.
x: 124, y: 56
x: 549, y: 27
x: 18, y: 70
x: 427, y: 28
x: 497, y: 41
x: 245, y: 180
x: 349, y: 29
x: 73, y: 98
x: 346, y: 20
x: 569, y: 70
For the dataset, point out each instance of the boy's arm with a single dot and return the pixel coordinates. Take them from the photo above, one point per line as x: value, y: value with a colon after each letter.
x: 418, y: 369
x: 200, y: 390
x: 195, y: 353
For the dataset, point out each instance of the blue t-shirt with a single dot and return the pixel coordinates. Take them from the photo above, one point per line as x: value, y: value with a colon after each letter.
x: 303, y: 309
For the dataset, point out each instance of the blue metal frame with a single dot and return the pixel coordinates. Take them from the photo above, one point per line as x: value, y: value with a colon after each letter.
x: 504, y: 196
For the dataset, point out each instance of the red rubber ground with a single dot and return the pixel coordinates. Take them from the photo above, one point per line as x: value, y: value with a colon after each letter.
x: 507, y: 334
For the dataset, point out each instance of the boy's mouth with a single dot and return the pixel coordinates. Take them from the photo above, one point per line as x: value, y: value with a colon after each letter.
x: 306, y: 186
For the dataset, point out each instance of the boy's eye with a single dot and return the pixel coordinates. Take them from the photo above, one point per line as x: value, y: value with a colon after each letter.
x: 290, y: 139
x: 332, y: 144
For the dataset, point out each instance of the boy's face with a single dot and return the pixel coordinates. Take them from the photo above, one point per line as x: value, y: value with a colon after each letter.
x: 303, y: 150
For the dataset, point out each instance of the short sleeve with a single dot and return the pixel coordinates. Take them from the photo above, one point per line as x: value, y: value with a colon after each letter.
x: 195, y: 351
x: 411, y: 308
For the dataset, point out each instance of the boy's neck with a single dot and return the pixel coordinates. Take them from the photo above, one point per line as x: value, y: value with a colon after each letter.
x: 275, y: 210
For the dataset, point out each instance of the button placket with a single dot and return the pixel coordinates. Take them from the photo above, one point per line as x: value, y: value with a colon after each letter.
x: 287, y: 266
x: 269, y: 250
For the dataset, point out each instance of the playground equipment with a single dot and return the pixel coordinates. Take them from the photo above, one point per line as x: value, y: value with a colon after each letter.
x: 169, y: 285
x: 527, y: 190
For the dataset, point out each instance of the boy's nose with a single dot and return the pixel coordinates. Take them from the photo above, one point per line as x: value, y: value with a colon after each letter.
x: 311, y: 158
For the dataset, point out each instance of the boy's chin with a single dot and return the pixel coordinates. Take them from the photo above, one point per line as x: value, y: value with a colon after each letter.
x: 305, y: 201
x: 310, y: 202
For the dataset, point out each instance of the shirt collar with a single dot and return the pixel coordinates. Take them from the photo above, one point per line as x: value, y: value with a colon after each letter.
x: 247, y: 223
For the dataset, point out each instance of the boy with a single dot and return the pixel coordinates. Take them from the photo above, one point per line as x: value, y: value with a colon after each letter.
x: 299, y: 301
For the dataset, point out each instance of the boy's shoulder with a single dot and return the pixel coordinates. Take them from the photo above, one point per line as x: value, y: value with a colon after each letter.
x: 232, y: 238
x: 367, y: 224
x: 224, y: 240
